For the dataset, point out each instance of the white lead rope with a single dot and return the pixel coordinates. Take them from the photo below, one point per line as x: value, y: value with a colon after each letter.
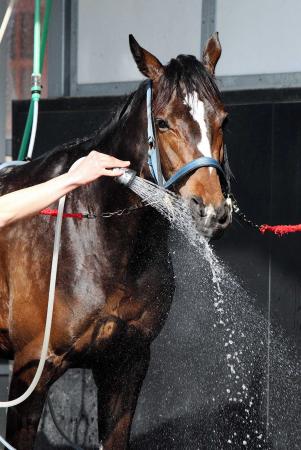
x: 51, y: 298
x: 33, y: 129
x: 6, y: 18
x: 6, y: 444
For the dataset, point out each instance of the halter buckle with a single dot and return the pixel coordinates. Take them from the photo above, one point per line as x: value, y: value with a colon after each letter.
x: 151, y: 142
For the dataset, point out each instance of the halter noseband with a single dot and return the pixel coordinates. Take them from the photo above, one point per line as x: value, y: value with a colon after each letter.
x: 154, y: 162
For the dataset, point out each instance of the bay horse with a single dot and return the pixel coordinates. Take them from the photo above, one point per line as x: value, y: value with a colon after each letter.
x: 115, y: 280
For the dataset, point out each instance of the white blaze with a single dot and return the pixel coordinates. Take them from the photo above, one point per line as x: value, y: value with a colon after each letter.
x: 197, y: 110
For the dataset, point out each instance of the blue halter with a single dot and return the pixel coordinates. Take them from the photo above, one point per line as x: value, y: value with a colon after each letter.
x: 154, y: 162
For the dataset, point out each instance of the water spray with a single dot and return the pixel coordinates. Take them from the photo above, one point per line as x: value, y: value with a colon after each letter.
x: 126, y: 178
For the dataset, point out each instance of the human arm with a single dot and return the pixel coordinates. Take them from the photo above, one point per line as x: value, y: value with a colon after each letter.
x: 28, y: 201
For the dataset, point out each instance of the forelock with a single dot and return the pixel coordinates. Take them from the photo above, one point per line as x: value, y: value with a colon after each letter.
x: 184, y: 76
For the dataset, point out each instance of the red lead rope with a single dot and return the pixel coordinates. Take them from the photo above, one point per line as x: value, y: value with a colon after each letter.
x: 280, y: 230
x: 53, y: 212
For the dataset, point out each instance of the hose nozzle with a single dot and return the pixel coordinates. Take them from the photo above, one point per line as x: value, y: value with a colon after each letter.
x: 126, y: 178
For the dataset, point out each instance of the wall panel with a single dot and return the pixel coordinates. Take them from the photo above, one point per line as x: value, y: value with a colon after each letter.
x: 259, y: 36
x: 165, y: 28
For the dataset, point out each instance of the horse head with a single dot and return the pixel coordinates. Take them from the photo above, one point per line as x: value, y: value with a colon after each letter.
x: 188, y: 116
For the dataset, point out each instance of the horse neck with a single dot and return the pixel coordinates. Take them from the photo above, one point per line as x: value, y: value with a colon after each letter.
x: 128, y: 139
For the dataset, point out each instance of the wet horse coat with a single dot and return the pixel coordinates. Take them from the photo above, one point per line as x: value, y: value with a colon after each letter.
x: 115, y: 279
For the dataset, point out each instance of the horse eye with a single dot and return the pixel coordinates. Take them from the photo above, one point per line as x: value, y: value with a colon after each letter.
x: 162, y: 124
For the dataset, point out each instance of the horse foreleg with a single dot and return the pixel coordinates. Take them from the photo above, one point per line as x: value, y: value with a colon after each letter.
x: 118, y: 390
x: 23, y: 419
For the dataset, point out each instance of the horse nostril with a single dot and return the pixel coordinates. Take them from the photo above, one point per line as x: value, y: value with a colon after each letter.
x: 197, y: 200
x: 223, y: 215
x: 198, y: 204
x: 222, y: 220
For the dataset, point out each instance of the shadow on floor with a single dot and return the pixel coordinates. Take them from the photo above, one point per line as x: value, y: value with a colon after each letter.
x: 227, y: 427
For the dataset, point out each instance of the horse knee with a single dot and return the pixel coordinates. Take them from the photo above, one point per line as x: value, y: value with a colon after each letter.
x: 109, y: 330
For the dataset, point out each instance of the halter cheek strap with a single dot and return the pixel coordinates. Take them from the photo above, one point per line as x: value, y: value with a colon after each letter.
x: 154, y: 162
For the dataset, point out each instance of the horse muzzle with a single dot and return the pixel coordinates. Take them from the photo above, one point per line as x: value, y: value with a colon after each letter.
x: 210, y: 220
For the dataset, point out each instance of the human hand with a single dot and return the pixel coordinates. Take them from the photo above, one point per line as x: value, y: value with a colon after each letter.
x: 96, y: 164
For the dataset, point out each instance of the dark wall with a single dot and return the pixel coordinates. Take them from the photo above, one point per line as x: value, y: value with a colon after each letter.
x: 264, y: 141
x: 176, y: 408
x: 61, y: 120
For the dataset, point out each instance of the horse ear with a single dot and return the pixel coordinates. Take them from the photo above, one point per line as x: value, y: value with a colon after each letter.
x: 211, y: 53
x: 147, y: 63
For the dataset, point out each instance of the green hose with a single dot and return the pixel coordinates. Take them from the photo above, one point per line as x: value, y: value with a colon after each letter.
x: 45, y: 33
x: 39, y: 48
